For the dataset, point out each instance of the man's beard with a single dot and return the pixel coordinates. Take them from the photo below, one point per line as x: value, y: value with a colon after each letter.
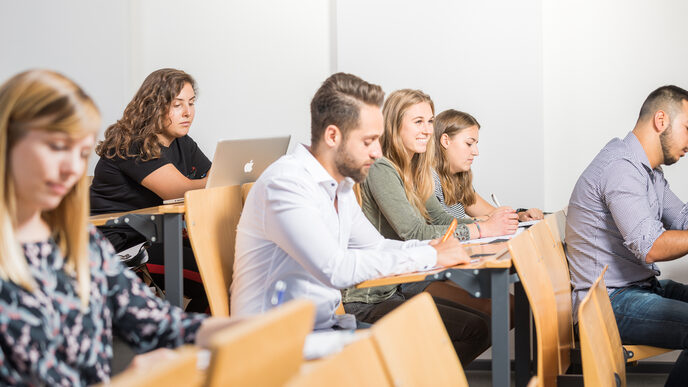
x: 666, y: 150
x: 347, y: 167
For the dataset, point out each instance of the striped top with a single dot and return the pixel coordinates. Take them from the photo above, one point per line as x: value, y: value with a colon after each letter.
x: 619, y: 207
x: 455, y: 210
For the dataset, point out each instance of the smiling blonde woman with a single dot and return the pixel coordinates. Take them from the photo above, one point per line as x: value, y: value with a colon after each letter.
x: 398, y: 200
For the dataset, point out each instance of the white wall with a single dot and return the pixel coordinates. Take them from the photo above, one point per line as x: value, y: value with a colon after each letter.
x: 479, y: 57
x: 86, y: 40
x: 257, y: 63
x: 601, y: 60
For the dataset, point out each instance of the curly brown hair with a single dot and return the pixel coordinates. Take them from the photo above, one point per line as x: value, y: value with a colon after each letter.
x: 136, y: 133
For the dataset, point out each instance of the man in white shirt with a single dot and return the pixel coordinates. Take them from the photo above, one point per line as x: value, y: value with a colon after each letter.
x: 301, y: 223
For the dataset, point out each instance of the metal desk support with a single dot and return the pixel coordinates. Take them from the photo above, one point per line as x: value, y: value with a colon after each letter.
x: 168, y: 229
x: 522, y: 336
x: 501, y: 370
x: 492, y: 283
x: 172, y: 249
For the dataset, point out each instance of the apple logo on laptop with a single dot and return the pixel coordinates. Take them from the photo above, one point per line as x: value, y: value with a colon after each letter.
x: 248, y: 167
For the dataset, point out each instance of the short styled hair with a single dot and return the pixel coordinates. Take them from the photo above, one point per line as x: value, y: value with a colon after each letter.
x: 666, y: 98
x: 338, y: 102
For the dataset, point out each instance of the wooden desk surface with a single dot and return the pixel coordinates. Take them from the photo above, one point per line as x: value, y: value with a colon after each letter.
x: 489, y: 256
x: 176, y: 208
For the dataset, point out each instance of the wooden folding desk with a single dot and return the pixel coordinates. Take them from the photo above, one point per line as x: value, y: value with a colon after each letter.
x: 488, y: 277
x: 158, y: 224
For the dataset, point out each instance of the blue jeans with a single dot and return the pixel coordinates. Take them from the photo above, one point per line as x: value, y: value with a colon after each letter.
x: 656, y: 316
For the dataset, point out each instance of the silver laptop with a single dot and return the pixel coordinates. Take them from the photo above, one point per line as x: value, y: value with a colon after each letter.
x: 242, y: 161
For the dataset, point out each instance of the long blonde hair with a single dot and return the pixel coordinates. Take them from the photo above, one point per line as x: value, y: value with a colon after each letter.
x: 457, y: 187
x: 415, y: 170
x: 45, y: 100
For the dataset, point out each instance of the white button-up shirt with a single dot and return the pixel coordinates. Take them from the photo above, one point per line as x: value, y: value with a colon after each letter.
x: 290, y: 231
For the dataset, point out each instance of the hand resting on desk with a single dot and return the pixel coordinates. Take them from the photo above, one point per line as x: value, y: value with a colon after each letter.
x: 450, y: 252
x: 530, y: 214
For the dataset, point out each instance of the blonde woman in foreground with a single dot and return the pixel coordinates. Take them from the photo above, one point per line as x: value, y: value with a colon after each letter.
x: 63, y: 294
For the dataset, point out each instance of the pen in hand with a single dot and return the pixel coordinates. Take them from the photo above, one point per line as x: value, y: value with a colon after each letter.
x: 450, y: 230
x: 494, y: 199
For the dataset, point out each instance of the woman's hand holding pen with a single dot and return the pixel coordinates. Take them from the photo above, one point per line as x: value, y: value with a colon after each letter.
x: 450, y: 252
x: 501, y: 221
x: 449, y: 249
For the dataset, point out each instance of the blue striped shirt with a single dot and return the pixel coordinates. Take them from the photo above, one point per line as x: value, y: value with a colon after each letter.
x: 618, y: 208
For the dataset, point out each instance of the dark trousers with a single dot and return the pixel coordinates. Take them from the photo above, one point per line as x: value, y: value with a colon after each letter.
x: 469, y: 330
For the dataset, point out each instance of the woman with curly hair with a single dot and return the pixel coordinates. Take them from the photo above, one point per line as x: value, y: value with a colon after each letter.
x: 146, y: 157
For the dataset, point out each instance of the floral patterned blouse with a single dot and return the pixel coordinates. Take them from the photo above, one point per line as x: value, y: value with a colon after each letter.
x: 46, y: 339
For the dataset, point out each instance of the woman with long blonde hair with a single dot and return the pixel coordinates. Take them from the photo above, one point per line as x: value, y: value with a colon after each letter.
x: 409, y: 152
x: 398, y: 200
x: 63, y: 292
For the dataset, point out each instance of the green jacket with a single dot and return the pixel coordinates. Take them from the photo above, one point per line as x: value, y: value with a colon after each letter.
x: 387, y: 208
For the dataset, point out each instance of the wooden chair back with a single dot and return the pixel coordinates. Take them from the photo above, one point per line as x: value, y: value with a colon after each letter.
x: 180, y: 371
x: 265, y: 350
x: 415, y: 347
x: 557, y: 224
x: 212, y: 216
x: 358, y: 364
x: 554, y: 261
x: 557, y: 264
x: 245, y: 188
x: 535, y: 280
x: 601, y: 350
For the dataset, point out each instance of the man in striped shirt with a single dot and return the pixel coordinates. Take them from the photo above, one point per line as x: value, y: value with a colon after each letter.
x: 623, y: 214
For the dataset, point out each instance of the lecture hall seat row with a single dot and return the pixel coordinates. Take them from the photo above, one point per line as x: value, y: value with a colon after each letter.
x: 407, y: 347
x: 539, y: 258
